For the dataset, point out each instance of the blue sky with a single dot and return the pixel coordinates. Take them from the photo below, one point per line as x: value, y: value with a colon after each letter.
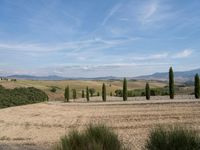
x: 89, y: 38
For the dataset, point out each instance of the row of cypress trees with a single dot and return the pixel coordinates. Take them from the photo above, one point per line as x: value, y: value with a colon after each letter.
x: 67, y: 93
x: 171, y: 86
x: 147, y: 89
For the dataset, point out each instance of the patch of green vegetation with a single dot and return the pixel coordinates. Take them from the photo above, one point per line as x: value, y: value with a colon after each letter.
x: 95, y: 137
x: 53, y: 89
x: 172, y: 138
x: 21, y: 96
x: 141, y: 92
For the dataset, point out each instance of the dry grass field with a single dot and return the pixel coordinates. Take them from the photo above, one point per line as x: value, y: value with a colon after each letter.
x: 79, y: 85
x: 39, y: 126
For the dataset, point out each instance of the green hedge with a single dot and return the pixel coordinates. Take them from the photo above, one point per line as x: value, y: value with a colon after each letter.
x: 21, y: 96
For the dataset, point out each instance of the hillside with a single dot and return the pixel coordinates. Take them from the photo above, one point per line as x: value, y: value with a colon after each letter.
x: 79, y: 85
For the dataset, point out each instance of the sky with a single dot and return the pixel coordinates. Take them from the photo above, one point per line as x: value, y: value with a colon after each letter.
x: 93, y: 38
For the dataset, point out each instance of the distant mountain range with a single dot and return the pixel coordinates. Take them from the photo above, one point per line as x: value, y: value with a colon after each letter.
x: 54, y: 77
x: 181, y: 76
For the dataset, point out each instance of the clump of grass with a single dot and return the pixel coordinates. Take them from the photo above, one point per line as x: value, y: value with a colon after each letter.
x: 95, y: 137
x: 173, y: 138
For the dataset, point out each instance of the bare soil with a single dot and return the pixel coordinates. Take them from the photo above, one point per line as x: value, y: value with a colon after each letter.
x: 39, y: 126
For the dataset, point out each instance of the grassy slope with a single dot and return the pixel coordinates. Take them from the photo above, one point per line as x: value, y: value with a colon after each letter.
x: 78, y: 85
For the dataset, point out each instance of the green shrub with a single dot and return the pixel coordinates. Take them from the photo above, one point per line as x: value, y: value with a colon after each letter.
x: 53, y: 89
x: 172, y: 138
x: 21, y: 96
x: 92, y: 91
x: 74, y: 93
x: 95, y: 137
x: 83, y: 94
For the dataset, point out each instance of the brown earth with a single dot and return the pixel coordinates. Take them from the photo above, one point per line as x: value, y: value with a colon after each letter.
x: 39, y: 126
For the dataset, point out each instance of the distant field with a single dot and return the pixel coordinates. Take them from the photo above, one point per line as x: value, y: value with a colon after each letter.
x: 78, y: 85
x: 39, y: 126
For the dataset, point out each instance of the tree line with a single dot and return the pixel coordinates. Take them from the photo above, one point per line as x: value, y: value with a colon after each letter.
x: 148, y: 92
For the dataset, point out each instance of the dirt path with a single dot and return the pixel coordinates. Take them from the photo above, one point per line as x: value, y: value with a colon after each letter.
x: 39, y: 126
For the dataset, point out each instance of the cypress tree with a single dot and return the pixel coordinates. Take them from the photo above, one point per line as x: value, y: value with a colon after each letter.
x: 171, y: 83
x: 83, y: 94
x: 147, y: 89
x: 196, y: 86
x: 98, y: 94
x: 104, y: 92
x: 74, y: 93
x: 87, y: 94
x: 124, y: 90
x: 66, y: 94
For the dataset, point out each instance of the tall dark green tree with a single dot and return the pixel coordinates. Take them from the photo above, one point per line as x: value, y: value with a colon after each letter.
x: 74, y: 93
x: 171, y: 83
x: 83, y: 94
x: 196, y: 86
x: 147, y: 91
x: 104, y: 92
x: 66, y: 94
x: 125, y: 90
x: 87, y: 94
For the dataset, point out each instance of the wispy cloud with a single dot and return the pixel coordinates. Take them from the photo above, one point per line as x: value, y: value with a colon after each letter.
x: 148, y: 11
x: 183, y: 54
x: 73, y: 46
x: 112, y: 11
x: 152, y: 57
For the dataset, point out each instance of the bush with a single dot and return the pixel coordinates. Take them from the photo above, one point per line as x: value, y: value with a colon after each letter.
x: 92, y: 91
x: 95, y: 137
x: 83, y: 94
x: 21, y: 96
x: 53, y: 89
x: 173, y: 138
x: 74, y: 93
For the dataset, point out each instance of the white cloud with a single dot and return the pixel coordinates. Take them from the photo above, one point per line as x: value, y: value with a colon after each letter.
x: 151, y: 57
x: 183, y: 54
